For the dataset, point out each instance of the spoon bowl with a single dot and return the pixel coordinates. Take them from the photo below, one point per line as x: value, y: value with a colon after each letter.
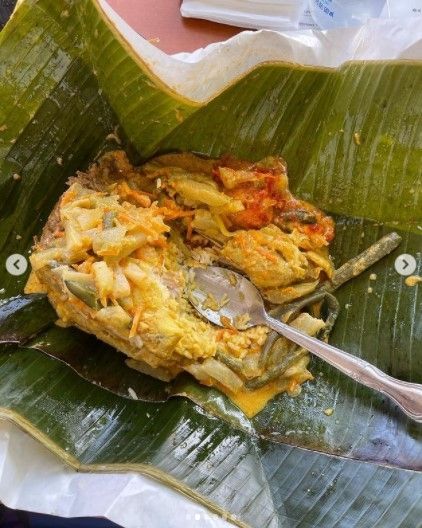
x: 226, y: 298
x: 234, y: 296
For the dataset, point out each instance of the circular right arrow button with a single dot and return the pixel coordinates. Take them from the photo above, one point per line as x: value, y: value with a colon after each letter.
x: 405, y: 264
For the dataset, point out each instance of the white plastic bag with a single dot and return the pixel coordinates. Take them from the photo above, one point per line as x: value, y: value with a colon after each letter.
x: 402, y: 8
x: 254, y: 14
x: 346, y: 13
x: 294, y: 14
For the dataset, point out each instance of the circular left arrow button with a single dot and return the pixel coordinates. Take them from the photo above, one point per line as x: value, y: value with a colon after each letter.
x: 16, y: 264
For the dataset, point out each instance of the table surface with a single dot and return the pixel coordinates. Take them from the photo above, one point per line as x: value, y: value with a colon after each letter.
x: 161, y: 22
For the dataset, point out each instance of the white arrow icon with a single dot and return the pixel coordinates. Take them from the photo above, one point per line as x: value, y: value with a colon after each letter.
x: 405, y: 264
x: 16, y: 264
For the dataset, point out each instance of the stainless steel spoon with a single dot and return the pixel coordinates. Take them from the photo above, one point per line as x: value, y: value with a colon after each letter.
x: 238, y: 296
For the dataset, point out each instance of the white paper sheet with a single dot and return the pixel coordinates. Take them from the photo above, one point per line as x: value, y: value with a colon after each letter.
x: 31, y: 478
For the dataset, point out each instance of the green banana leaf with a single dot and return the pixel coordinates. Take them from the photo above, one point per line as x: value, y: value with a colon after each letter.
x: 71, y: 88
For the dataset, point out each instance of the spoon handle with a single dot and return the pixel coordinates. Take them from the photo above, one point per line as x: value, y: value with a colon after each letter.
x: 408, y: 396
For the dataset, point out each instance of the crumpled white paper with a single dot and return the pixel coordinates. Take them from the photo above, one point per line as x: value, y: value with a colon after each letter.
x: 31, y: 478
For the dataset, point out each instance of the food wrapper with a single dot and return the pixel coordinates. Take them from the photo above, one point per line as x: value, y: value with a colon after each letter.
x: 31, y: 478
x: 275, y: 14
x: 293, y: 14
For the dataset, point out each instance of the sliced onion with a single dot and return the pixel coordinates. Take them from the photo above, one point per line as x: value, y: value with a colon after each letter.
x: 109, y: 241
x: 289, y: 293
x: 114, y: 317
x: 308, y: 324
x: 69, y: 274
x: 39, y: 259
x: 211, y: 368
x: 103, y: 277
x: 121, y: 286
x: 202, y: 192
x: 323, y: 261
